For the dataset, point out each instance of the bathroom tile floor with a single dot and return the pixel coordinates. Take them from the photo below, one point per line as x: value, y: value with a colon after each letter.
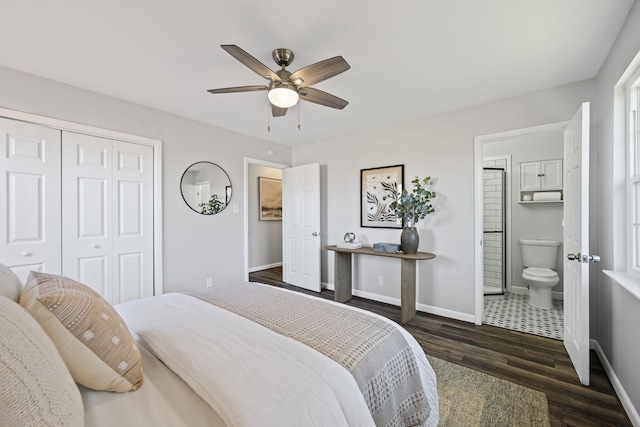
x: 513, y: 312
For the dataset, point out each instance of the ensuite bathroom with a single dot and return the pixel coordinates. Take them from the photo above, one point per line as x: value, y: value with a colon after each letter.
x: 523, y: 234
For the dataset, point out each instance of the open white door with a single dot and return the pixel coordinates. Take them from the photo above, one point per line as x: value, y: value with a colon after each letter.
x: 301, y: 226
x: 576, y: 242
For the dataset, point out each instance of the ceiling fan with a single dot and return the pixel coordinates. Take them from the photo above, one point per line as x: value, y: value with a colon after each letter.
x: 286, y: 88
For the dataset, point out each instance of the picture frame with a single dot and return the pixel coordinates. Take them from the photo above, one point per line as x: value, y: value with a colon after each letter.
x: 379, y: 187
x: 270, y: 195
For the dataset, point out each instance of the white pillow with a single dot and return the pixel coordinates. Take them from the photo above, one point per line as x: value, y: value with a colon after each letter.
x: 10, y: 285
x: 36, y: 389
x: 91, y: 337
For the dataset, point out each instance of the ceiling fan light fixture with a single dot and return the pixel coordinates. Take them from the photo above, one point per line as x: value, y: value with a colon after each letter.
x: 282, y: 95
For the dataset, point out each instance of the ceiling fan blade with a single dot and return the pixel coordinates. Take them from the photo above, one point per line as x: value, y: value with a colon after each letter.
x: 320, y: 71
x: 252, y: 63
x: 277, y: 111
x: 323, y: 98
x: 239, y: 89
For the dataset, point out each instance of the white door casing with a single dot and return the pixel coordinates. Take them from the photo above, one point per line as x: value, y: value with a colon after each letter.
x: 479, y: 142
x: 301, y: 226
x: 30, y: 213
x: 576, y: 241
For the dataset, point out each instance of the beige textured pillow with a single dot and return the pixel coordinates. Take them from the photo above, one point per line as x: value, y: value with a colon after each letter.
x: 91, y: 337
x: 10, y: 285
x: 36, y: 388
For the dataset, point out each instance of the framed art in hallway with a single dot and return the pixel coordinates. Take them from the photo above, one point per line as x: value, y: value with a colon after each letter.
x: 270, y: 195
x: 379, y: 188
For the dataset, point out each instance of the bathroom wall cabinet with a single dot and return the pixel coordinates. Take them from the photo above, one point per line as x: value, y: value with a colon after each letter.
x: 540, y: 177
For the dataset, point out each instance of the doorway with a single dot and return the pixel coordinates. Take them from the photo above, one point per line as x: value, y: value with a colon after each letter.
x: 262, y: 239
x: 503, y: 219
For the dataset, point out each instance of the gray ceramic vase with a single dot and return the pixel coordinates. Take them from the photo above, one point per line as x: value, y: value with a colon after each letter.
x: 409, y: 240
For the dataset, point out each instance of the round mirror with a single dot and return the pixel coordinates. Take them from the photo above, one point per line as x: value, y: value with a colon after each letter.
x: 206, y: 188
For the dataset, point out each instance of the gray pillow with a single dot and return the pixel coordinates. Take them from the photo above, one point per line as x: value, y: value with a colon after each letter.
x: 36, y: 389
x: 10, y: 285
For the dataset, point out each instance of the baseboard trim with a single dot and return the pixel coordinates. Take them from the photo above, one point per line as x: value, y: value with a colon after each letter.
x: 627, y: 404
x: 419, y: 307
x: 521, y: 290
x: 265, y: 267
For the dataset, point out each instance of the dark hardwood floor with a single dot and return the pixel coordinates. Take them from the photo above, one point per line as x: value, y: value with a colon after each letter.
x: 529, y: 360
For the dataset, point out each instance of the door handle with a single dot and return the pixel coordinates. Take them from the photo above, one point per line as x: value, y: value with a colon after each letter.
x: 25, y: 253
x: 574, y: 257
x: 315, y: 233
x: 94, y: 246
x: 583, y: 258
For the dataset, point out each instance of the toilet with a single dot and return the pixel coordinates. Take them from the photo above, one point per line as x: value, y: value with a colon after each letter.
x: 539, y: 260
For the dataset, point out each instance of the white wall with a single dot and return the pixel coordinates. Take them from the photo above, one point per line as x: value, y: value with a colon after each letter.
x: 195, y: 246
x: 442, y: 147
x: 531, y: 221
x: 265, y: 237
x: 618, y: 312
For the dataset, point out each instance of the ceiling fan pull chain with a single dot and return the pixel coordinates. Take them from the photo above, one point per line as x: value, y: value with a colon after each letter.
x: 268, y: 116
x: 298, y: 116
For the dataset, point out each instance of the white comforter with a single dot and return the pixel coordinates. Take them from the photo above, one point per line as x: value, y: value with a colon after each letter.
x: 250, y: 375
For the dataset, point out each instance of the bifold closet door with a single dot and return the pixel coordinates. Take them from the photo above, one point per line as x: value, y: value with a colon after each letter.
x: 87, y: 206
x: 107, y: 216
x: 133, y: 221
x: 30, y: 189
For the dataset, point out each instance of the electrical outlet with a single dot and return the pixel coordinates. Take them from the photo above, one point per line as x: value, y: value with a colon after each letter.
x: 209, y: 282
x: 380, y: 280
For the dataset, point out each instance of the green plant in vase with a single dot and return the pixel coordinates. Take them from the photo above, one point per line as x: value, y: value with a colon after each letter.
x: 411, y: 207
x: 214, y: 205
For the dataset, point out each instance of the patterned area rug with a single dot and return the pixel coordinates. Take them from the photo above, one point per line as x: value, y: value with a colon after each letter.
x: 470, y: 398
x: 514, y: 312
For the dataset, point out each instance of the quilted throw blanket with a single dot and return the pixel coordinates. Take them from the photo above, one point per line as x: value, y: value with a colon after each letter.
x: 375, y: 352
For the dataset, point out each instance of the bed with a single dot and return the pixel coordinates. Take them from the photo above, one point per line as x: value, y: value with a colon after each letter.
x: 250, y: 354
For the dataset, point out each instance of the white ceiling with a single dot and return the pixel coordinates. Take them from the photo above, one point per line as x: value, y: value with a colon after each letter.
x: 408, y: 59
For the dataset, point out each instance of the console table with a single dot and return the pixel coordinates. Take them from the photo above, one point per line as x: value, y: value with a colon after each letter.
x: 342, y: 276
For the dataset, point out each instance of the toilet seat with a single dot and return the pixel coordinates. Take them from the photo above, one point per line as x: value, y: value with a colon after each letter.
x: 539, y: 273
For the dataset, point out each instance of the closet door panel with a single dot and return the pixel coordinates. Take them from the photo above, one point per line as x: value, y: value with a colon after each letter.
x: 133, y: 221
x: 30, y: 206
x: 92, y: 271
x: 26, y: 213
x: 87, y: 206
x: 131, y: 276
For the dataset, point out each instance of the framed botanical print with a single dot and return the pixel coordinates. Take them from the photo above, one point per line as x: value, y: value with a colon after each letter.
x: 270, y: 190
x: 379, y: 188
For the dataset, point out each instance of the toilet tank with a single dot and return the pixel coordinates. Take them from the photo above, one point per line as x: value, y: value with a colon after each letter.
x: 539, y: 253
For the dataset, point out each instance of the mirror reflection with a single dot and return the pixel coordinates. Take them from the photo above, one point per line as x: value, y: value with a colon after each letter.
x: 206, y: 188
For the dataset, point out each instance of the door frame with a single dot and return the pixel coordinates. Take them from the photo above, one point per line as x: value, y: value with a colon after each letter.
x: 249, y: 161
x: 156, y: 144
x: 478, y: 143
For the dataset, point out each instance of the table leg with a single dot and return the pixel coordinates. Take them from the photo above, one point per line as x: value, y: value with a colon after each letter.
x: 342, y: 277
x: 408, y: 290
